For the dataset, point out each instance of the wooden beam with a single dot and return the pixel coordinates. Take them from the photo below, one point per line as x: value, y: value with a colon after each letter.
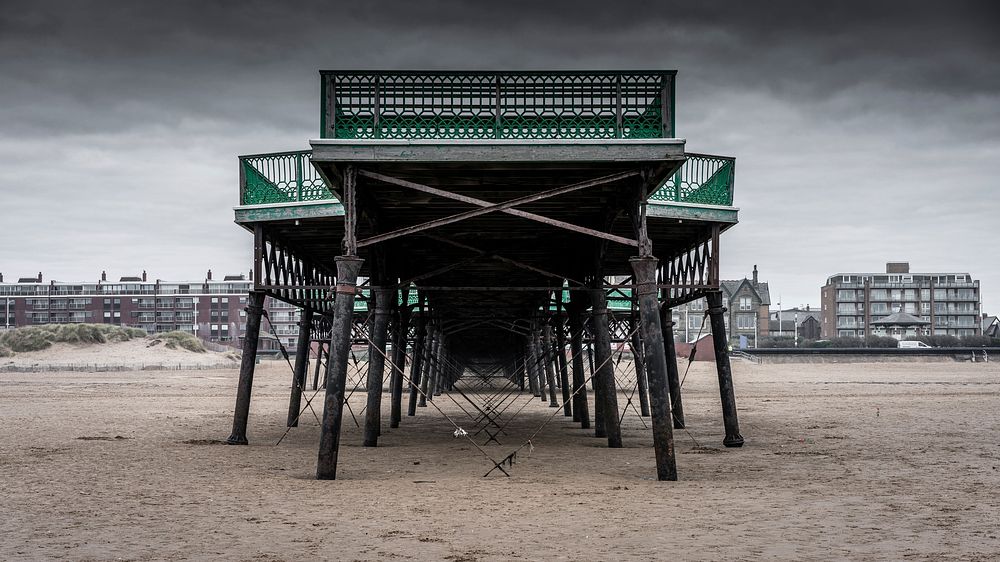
x: 487, y: 207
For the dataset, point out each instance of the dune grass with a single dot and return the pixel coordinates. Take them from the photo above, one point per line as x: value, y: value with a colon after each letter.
x: 37, y: 338
x: 183, y: 340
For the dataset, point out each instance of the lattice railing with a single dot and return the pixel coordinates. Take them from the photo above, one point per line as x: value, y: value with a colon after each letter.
x: 280, y: 178
x: 691, y: 274
x: 288, y: 177
x: 490, y: 105
x: 702, y: 179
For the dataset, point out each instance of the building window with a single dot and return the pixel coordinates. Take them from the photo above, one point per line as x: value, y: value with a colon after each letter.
x: 746, y: 303
x: 745, y: 321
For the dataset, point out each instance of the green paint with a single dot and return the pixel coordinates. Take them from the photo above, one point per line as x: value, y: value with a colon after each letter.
x: 484, y: 105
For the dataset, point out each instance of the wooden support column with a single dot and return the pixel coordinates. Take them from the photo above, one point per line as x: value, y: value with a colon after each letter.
x: 716, y: 314
x: 398, y: 364
x: 673, y: 376
x: 417, y: 365
x: 255, y: 309
x: 548, y: 359
x: 655, y: 358
x: 638, y: 361
x: 605, y: 369
x: 301, y: 364
x: 348, y: 268
x: 581, y: 409
x: 384, y: 298
x: 560, y: 350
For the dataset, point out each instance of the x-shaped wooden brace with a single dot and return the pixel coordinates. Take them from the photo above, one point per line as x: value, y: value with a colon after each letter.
x: 505, y: 207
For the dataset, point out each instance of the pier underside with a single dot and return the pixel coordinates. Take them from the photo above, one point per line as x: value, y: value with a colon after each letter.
x: 467, y: 265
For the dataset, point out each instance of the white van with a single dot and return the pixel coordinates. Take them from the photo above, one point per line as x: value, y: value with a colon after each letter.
x: 912, y: 345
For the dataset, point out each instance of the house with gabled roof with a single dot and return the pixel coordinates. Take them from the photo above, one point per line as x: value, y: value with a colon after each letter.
x: 747, y: 302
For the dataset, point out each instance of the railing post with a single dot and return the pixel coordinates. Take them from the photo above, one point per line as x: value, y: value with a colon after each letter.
x: 329, y: 107
x: 497, y: 126
x: 619, y: 133
x: 243, y: 182
x: 298, y: 176
x: 378, y: 108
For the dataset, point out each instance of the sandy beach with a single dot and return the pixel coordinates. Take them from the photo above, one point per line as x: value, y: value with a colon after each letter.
x: 858, y: 462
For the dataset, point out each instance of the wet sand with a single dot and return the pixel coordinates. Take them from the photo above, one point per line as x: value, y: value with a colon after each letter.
x: 860, y: 462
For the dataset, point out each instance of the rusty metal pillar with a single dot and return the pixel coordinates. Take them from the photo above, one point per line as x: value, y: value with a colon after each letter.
x: 529, y: 364
x: 581, y: 409
x: 417, y: 365
x: 716, y: 314
x: 398, y: 364
x: 536, y: 347
x: 673, y: 377
x: 301, y: 364
x: 521, y: 372
x: 384, y: 298
x: 425, y: 382
x: 255, y: 309
x: 560, y: 349
x: 436, y: 366
x: 319, y: 361
x: 348, y: 268
x: 655, y: 359
x: 638, y: 361
x: 599, y: 429
x: 548, y: 358
x: 605, y: 369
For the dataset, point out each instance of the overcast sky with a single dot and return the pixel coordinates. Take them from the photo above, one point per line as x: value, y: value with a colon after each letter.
x: 863, y: 132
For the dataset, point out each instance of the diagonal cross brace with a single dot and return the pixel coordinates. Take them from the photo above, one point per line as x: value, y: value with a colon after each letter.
x: 505, y: 207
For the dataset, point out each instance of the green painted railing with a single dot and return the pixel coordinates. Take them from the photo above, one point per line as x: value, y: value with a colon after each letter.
x: 287, y: 177
x: 497, y: 105
x: 703, y: 179
x: 280, y: 178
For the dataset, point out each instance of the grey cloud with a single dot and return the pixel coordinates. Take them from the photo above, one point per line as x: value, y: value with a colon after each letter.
x: 851, y: 121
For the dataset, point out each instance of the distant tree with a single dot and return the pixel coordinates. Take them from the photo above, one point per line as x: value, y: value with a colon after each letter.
x: 777, y: 342
x: 846, y: 341
x: 980, y: 341
x: 881, y: 342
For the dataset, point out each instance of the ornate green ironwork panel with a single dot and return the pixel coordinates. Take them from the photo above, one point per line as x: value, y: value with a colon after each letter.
x: 702, y: 179
x: 513, y: 105
x: 280, y: 178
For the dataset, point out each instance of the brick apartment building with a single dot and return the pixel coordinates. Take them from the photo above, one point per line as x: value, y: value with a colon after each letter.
x: 950, y: 302
x: 211, y: 309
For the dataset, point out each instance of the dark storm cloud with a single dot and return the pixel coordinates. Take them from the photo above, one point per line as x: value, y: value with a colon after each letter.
x: 849, y: 119
x: 102, y: 65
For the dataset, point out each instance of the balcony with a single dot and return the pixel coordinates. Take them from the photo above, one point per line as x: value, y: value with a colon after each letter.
x: 288, y: 177
x: 489, y: 106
